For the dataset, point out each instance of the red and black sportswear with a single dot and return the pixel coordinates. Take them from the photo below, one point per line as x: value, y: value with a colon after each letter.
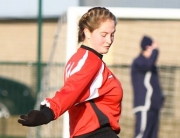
x: 91, y: 94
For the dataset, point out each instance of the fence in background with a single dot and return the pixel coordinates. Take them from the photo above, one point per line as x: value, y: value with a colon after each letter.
x: 25, y: 72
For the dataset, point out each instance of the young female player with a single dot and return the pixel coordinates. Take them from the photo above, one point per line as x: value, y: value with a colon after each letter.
x: 91, y: 93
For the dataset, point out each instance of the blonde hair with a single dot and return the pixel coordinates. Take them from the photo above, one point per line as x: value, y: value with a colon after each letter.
x: 92, y: 20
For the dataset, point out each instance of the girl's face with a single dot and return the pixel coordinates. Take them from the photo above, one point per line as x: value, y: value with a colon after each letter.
x: 102, y: 38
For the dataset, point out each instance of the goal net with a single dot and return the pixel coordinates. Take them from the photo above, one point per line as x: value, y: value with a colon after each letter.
x: 163, y: 25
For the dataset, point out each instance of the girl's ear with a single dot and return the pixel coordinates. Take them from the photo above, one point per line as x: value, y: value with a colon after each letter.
x: 87, y: 33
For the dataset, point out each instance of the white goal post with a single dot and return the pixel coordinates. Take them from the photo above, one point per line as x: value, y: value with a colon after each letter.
x: 74, y: 13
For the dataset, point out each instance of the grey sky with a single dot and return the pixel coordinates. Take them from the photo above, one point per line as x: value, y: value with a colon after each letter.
x: 53, y: 8
x: 29, y: 8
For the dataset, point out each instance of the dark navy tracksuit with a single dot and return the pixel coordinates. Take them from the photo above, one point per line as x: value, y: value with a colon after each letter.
x: 148, y: 97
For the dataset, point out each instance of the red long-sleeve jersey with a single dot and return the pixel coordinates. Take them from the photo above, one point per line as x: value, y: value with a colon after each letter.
x: 91, y: 94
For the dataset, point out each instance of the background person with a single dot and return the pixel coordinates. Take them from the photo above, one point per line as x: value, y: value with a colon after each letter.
x: 148, y: 96
x: 91, y: 93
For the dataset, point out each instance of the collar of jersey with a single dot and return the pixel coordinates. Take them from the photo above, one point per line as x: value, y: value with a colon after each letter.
x: 92, y: 50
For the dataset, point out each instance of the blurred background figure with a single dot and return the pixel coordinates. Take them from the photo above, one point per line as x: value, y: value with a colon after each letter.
x: 148, y: 96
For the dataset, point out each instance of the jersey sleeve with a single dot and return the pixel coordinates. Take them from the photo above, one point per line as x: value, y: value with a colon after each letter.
x: 75, y: 90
